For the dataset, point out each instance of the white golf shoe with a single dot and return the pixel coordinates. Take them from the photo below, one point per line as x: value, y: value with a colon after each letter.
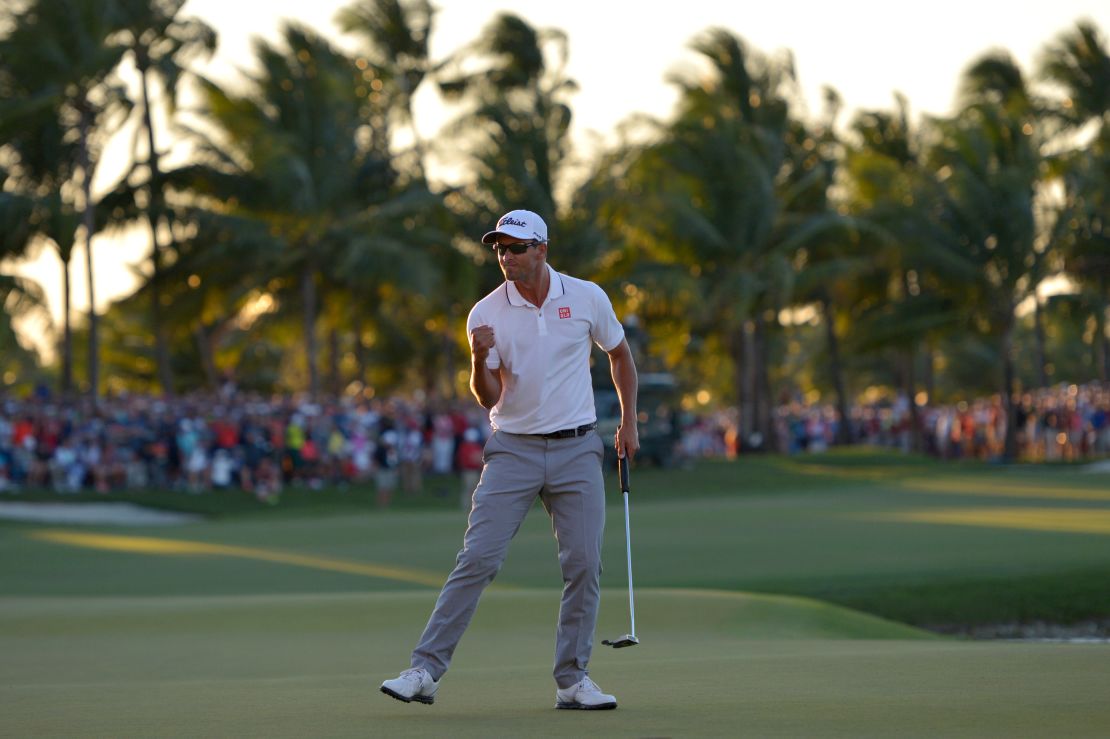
x: 584, y: 695
x: 414, y: 684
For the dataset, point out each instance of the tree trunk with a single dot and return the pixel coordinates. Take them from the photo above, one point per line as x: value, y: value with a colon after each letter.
x: 153, y: 215
x: 765, y: 405
x: 419, y: 147
x: 431, y: 371
x: 1009, y: 446
x: 1038, y: 333
x: 67, y: 334
x: 360, y: 348
x: 449, y: 364
x: 333, y: 362
x: 844, y: 428
x: 910, y: 389
x: 744, y: 358
x: 308, y: 297
x: 207, y: 358
x: 929, y: 375
x: 89, y: 222
x: 910, y: 377
x: 1102, y: 343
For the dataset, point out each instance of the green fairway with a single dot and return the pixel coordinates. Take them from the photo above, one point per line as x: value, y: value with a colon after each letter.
x: 282, y: 622
x: 711, y: 664
x: 906, y: 539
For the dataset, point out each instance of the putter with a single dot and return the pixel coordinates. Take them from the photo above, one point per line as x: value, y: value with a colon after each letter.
x: 628, y: 640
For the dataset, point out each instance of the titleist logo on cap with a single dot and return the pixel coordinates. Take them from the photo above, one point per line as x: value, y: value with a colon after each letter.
x: 519, y: 224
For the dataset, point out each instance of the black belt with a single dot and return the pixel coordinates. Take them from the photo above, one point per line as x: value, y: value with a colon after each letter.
x: 569, y: 433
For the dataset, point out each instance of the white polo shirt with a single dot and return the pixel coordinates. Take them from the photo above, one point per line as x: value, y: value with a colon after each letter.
x: 544, y: 352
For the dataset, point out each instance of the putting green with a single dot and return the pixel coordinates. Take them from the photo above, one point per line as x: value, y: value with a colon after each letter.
x: 710, y: 664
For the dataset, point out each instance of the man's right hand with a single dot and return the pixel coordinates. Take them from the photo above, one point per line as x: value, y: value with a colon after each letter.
x: 484, y: 382
x: 481, y: 341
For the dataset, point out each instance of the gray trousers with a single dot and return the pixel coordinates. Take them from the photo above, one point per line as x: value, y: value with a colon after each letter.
x: 566, y: 474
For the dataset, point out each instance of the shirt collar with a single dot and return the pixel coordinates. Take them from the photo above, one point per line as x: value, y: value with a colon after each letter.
x: 554, y: 291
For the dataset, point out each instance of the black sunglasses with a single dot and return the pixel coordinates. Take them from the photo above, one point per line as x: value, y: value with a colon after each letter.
x: 519, y: 248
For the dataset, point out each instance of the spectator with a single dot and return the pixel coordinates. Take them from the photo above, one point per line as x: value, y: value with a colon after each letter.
x: 387, y: 460
x: 131, y: 442
x: 468, y: 459
x: 412, y: 456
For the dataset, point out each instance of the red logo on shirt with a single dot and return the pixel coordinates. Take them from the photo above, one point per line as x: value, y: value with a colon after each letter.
x: 564, y: 313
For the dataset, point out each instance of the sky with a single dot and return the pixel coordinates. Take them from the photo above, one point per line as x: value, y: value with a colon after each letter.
x: 620, y: 54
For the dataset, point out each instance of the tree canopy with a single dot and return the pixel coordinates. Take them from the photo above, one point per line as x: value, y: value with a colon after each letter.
x: 307, y: 244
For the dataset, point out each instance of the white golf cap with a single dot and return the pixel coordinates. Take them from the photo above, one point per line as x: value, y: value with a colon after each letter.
x: 519, y: 224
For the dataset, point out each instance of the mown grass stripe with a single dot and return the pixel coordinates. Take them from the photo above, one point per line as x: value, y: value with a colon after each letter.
x: 152, y: 545
x: 1068, y: 520
x: 1004, y: 490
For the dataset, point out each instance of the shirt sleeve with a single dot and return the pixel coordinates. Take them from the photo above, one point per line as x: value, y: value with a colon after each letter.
x: 475, y: 319
x: 607, y: 331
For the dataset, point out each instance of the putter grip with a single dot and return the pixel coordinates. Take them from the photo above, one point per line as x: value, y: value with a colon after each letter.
x: 622, y: 468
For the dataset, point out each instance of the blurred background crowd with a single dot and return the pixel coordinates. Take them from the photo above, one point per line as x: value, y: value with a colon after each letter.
x: 245, y: 441
x: 230, y: 440
x: 1065, y: 422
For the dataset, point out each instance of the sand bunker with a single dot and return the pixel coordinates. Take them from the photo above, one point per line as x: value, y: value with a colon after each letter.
x: 111, y: 514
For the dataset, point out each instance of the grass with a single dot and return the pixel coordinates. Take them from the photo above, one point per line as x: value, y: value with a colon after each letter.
x: 281, y: 621
x: 710, y: 664
x: 837, y: 527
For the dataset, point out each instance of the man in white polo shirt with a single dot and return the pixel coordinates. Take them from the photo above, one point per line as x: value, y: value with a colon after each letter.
x: 530, y: 345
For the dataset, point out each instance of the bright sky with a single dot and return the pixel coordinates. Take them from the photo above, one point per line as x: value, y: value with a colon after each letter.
x: 621, y: 52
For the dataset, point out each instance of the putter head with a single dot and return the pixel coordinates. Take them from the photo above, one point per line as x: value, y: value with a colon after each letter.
x: 625, y: 641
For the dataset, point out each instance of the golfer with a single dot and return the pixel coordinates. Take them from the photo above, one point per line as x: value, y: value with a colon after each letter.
x: 530, y: 348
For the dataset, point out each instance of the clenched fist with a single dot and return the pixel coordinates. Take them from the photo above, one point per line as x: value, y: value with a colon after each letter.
x: 481, y: 341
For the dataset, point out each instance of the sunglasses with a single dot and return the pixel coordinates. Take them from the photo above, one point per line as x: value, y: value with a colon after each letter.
x: 520, y: 248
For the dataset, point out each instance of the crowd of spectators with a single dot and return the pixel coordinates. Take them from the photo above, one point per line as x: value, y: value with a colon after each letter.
x: 1059, y: 423
x: 261, y: 445
x: 234, y: 440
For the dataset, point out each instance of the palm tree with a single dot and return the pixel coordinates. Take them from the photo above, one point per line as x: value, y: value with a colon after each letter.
x: 829, y: 269
x: 515, y: 126
x: 910, y: 298
x: 220, y: 282
x: 19, y: 365
x: 988, y: 158
x: 512, y: 139
x: 732, y: 191
x: 396, y: 61
x: 40, y: 206
x: 1085, y: 237
x: 55, y: 222
x: 286, y: 152
x: 58, y: 59
x: 1077, y: 62
x: 18, y: 296
x: 297, y: 165
x: 158, y: 41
